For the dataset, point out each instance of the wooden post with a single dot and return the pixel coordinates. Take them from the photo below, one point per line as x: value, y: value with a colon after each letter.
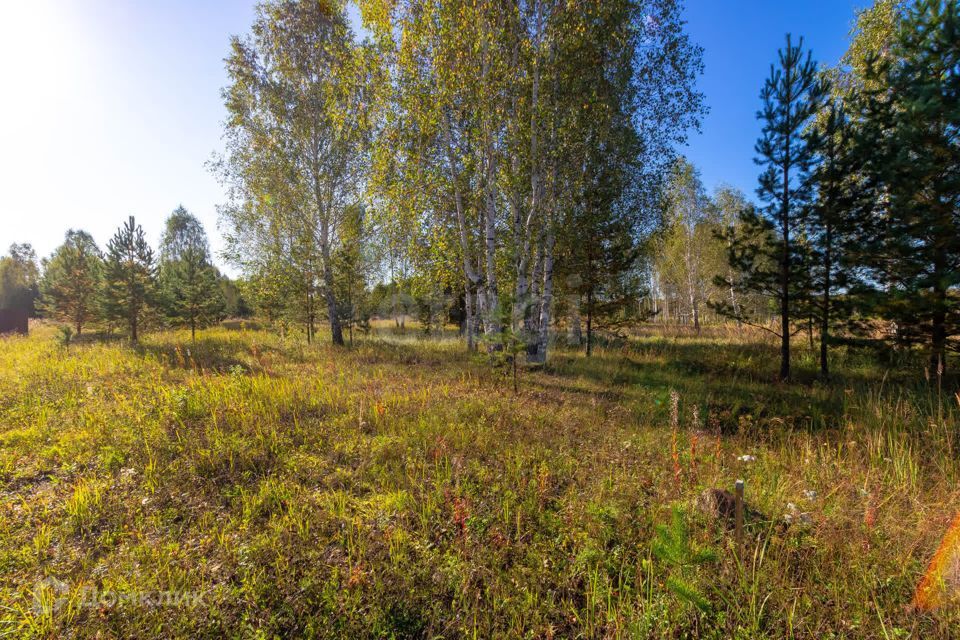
x: 738, y: 494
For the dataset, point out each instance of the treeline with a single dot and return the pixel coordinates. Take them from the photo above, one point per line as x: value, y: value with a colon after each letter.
x: 512, y: 166
x: 127, y: 286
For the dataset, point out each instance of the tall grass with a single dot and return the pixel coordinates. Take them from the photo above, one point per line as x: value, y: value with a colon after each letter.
x: 400, y: 488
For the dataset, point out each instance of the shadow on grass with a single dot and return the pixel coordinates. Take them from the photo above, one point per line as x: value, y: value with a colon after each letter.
x: 213, y: 354
x: 731, y: 383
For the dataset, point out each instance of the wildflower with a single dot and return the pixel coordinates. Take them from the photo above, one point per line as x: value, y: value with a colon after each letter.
x: 674, y: 425
x: 746, y: 458
x: 674, y: 409
x: 675, y: 457
x: 357, y: 575
x: 693, y: 451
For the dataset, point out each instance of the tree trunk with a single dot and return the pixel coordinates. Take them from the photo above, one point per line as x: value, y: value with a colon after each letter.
x: 938, y: 353
x: 695, y: 304
x: 468, y: 316
x: 938, y: 325
x: 336, y: 331
x: 492, y: 325
x: 825, y: 312
x: 470, y: 275
x: 733, y: 300
x: 546, y: 302
x: 589, y: 322
x: 785, y: 274
x: 306, y: 321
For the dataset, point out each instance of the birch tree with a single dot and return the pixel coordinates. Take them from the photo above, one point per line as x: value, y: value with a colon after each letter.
x: 297, y: 133
x: 492, y: 115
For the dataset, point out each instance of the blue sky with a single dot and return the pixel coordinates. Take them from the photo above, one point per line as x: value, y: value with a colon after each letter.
x: 740, y: 39
x: 112, y: 107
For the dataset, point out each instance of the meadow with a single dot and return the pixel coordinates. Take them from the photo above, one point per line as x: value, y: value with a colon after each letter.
x: 254, y: 486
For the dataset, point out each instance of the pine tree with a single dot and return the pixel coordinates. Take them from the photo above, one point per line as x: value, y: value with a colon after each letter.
x: 906, y: 143
x: 768, y: 252
x: 674, y: 548
x: 71, y: 279
x: 833, y: 180
x: 189, y: 289
x: 129, y: 282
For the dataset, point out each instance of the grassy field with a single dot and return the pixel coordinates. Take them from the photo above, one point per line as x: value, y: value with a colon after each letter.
x: 253, y: 487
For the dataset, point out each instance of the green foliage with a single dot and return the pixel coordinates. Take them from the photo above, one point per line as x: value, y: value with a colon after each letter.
x: 353, y: 267
x: 769, y: 250
x: 71, y: 280
x: 505, y: 345
x: 19, y: 275
x: 687, y: 252
x: 393, y: 300
x: 235, y: 303
x: 905, y: 130
x: 673, y: 547
x: 871, y: 38
x: 129, y: 278
x: 298, y: 130
x: 504, y: 171
x: 837, y: 185
x: 188, y: 282
x: 64, y: 335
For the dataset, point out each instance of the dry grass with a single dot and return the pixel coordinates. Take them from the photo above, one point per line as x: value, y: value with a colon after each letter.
x: 400, y: 488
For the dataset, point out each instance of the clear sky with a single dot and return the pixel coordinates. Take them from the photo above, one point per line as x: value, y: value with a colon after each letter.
x: 111, y: 107
x: 740, y: 39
